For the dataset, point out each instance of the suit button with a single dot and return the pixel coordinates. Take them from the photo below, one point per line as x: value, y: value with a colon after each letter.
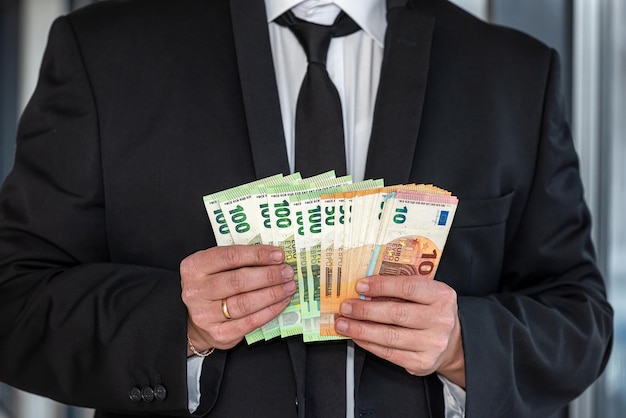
x: 135, y: 394
x: 160, y: 393
x: 147, y: 394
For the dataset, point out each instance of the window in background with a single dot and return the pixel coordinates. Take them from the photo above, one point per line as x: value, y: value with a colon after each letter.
x: 612, y: 126
x: 549, y: 21
x: 24, y: 26
x: 8, y: 117
x: 8, y: 82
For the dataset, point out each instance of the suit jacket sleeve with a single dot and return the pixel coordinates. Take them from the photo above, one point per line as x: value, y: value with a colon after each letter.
x: 73, y: 325
x: 548, y: 329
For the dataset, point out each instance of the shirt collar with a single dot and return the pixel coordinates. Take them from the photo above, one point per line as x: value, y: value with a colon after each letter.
x: 370, y: 15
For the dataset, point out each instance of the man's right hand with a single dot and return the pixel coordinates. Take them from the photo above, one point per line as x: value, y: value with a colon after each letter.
x: 253, y: 282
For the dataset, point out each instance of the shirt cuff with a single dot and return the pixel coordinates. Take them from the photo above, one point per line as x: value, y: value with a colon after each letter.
x: 453, y: 398
x: 194, y: 370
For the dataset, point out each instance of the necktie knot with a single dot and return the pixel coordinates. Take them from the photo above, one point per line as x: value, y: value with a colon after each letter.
x: 315, y: 39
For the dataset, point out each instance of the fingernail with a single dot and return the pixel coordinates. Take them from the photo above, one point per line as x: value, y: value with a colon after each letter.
x: 277, y: 256
x: 341, y: 325
x: 362, y: 287
x: 290, y: 286
x: 287, y: 272
x: 346, y: 308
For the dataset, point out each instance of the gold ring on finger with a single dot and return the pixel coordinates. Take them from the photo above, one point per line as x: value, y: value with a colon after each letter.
x: 225, y: 309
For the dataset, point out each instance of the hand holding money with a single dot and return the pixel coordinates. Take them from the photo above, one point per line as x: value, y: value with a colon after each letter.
x: 410, y: 321
x: 248, y: 284
x: 332, y: 232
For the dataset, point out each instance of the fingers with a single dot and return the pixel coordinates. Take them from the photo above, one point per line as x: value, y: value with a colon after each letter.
x: 226, y: 334
x: 405, y: 301
x: 398, y: 337
x: 421, y: 347
x: 219, y: 259
x: 211, y: 275
x: 409, y: 288
x: 401, y: 313
x: 394, y: 323
x: 409, y: 321
x: 244, y: 304
x: 252, y: 281
x: 258, y: 288
x: 247, y: 311
x: 248, y: 279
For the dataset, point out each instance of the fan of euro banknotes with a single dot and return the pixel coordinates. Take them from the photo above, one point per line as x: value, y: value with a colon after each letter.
x: 333, y: 232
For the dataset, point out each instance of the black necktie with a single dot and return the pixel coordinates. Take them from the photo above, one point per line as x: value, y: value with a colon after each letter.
x: 319, y: 142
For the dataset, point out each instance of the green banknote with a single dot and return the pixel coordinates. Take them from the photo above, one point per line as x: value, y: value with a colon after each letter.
x: 242, y: 214
x: 216, y: 216
x: 283, y: 230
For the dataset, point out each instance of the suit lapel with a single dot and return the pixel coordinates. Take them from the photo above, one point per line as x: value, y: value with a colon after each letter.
x: 258, y: 85
x: 399, y: 104
x: 400, y: 100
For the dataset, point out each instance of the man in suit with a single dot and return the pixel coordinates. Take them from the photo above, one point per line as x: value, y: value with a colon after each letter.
x: 145, y: 106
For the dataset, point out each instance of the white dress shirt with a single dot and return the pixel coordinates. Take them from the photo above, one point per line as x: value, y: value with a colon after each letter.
x: 357, y: 85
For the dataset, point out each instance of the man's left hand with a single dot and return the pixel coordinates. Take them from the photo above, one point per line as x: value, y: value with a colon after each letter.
x: 410, y: 321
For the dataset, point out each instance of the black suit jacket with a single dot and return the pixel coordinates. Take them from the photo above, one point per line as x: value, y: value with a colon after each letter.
x: 145, y: 106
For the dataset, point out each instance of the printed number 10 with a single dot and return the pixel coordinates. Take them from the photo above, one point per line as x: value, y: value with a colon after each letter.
x: 400, y: 216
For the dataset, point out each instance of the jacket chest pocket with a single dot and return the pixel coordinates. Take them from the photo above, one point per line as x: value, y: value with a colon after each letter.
x: 473, y: 255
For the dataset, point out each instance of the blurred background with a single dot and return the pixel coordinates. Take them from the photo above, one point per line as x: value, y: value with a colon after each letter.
x: 590, y: 36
